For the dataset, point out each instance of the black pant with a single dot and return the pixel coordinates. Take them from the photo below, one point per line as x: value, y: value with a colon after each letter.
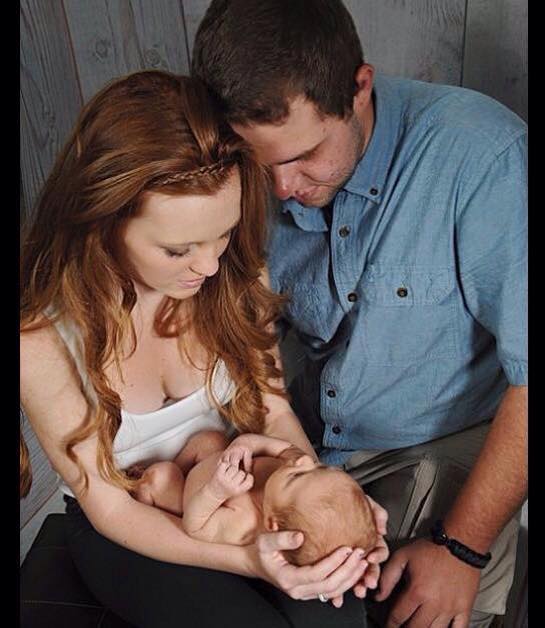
x: 152, y: 594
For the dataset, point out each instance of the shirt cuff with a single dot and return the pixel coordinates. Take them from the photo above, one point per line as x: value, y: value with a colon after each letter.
x: 516, y: 372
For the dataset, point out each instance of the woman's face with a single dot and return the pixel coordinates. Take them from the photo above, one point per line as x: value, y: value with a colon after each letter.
x: 175, y: 242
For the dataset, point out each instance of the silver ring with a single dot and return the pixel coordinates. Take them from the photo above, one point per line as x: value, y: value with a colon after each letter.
x: 322, y: 597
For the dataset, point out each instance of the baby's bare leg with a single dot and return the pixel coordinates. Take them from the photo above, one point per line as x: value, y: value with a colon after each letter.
x: 162, y: 485
x: 199, y: 447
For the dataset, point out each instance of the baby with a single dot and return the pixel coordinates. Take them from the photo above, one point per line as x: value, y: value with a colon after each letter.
x: 260, y: 484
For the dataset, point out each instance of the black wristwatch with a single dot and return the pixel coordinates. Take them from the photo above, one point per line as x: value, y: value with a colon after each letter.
x: 461, y: 551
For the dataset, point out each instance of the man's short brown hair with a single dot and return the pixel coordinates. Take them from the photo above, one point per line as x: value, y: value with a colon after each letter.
x: 256, y: 55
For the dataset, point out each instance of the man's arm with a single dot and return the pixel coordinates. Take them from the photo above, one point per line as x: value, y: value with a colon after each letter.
x: 476, y: 518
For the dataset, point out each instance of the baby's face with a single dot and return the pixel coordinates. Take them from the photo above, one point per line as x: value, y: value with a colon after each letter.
x: 294, y: 482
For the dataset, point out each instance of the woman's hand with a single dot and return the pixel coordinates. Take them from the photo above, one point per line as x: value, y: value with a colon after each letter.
x: 376, y: 556
x: 332, y: 576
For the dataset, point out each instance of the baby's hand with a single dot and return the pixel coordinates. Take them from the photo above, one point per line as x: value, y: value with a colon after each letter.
x: 235, y: 454
x: 229, y: 481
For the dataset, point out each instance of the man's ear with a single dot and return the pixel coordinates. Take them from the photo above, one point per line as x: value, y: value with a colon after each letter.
x: 271, y: 523
x: 364, y: 85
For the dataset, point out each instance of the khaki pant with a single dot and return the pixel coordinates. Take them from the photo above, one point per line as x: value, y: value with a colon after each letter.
x: 418, y: 485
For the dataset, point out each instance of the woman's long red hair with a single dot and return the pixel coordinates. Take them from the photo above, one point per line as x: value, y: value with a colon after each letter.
x: 136, y: 135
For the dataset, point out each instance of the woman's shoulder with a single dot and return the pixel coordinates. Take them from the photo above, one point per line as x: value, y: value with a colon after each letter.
x: 42, y: 352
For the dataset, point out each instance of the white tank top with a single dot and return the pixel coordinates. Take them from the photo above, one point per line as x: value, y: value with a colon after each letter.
x: 161, y: 434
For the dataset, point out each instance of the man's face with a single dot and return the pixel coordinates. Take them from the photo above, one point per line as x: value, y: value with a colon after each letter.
x: 310, y: 155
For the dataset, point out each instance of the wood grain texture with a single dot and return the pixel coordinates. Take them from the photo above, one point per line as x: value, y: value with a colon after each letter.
x: 496, y: 51
x: 419, y: 39
x: 194, y: 11
x: 115, y: 37
x: 50, y: 97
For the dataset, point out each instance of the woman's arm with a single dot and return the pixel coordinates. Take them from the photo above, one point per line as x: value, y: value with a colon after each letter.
x: 52, y: 398
x: 53, y: 401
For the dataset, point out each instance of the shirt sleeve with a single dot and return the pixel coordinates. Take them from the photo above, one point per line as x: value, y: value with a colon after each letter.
x: 491, y: 242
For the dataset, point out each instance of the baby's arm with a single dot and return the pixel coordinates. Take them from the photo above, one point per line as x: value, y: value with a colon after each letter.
x: 244, y: 447
x: 204, y: 512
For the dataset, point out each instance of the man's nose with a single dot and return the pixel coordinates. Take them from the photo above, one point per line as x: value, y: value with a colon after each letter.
x: 284, y: 178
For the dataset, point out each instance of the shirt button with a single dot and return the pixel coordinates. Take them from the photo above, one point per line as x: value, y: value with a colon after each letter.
x: 336, y: 429
x: 344, y: 231
x: 331, y: 393
x: 373, y: 191
x: 352, y: 297
x: 402, y: 292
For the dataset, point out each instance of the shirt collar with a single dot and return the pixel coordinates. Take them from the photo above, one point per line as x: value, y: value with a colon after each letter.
x: 369, y: 176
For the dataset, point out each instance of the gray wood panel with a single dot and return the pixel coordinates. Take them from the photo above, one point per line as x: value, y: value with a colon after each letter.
x: 420, y: 39
x: 115, y: 37
x: 194, y: 11
x: 44, y: 480
x: 50, y: 96
x: 496, y: 51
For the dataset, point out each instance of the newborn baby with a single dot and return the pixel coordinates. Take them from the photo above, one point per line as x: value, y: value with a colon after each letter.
x: 260, y: 484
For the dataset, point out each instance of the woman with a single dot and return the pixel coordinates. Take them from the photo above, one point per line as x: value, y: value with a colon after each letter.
x: 144, y: 320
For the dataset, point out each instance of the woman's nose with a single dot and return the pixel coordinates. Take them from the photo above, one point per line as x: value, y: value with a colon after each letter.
x: 206, y: 263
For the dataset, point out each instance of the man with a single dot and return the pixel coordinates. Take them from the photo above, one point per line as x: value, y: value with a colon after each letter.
x: 401, y: 243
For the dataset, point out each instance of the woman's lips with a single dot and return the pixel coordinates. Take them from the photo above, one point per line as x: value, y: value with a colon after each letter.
x: 191, y: 284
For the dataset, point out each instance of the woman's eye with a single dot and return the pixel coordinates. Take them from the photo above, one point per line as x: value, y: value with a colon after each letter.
x: 176, y: 253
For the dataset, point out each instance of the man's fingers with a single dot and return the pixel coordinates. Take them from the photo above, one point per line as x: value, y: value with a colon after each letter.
x: 428, y: 616
x: 277, y: 541
x: 460, y: 621
x: 391, y: 575
x: 403, y: 609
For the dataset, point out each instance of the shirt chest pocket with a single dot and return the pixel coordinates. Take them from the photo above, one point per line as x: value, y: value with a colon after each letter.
x: 407, y: 315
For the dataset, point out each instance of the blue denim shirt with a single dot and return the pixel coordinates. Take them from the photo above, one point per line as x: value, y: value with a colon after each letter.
x: 411, y: 305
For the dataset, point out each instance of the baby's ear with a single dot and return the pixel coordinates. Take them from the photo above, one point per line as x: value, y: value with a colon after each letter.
x: 271, y: 523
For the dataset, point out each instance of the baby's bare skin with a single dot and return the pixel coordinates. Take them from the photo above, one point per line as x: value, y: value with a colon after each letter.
x: 239, y: 519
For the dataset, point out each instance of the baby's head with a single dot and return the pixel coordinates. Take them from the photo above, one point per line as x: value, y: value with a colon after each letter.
x: 324, y: 503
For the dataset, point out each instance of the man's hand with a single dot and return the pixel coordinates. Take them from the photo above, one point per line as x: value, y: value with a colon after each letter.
x: 439, y: 588
x: 331, y: 576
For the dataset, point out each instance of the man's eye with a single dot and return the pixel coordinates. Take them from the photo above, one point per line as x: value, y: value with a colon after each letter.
x: 176, y: 253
